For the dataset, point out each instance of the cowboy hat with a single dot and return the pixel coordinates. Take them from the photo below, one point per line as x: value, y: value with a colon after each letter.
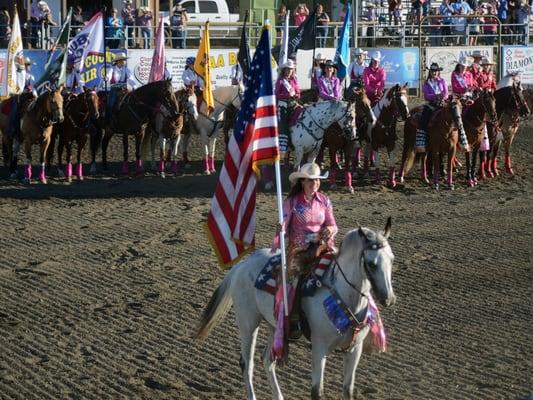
x: 370, y: 5
x: 476, y: 54
x: 462, y: 61
x: 486, y: 61
x: 120, y: 56
x: 289, y: 64
x: 319, y: 57
x: 42, y: 4
x: 27, y: 61
x: 435, y: 67
x: 307, y: 171
x: 359, y: 52
x: 328, y: 63
x: 376, y: 55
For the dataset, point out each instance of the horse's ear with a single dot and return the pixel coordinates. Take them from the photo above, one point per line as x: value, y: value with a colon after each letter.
x: 361, y: 233
x: 386, y: 231
x: 406, y: 86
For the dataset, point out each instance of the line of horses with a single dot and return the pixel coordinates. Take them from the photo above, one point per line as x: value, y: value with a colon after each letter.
x: 155, y: 113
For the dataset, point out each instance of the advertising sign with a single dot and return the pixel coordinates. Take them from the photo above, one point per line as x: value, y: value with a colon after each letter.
x: 221, y: 61
x: 447, y: 58
x: 518, y: 59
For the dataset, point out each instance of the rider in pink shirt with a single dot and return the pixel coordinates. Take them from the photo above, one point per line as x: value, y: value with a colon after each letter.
x: 374, y: 78
x: 462, y: 80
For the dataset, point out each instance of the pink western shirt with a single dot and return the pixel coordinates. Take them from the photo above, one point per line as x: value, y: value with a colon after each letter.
x: 305, y: 219
x: 462, y: 83
x: 374, y: 79
x: 329, y: 88
x: 282, y: 93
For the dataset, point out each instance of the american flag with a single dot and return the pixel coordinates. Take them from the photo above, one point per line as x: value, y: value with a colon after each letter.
x: 231, y: 221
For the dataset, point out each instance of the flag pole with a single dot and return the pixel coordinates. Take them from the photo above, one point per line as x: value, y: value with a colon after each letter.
x: 104, y: 11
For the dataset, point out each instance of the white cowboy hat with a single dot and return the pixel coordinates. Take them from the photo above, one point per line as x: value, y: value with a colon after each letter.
x: 319, y: 57
x: 360, y: 51
x: 376, y: 55
x: 307, y: 171
x: 289, y: 64
x: 42, y: 4
x: 462, y: 61
x: 486, y: 61
x: 476, y: 53
x: 120, y: 56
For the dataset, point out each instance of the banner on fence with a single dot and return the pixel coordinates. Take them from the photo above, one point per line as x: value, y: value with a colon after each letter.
x: 518, y: 59
x: 221, y: 61
x: 447, y: 58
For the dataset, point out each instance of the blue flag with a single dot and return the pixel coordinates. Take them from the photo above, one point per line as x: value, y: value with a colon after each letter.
x: 342, y: 56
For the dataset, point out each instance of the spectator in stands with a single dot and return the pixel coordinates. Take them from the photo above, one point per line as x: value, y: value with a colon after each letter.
x: 446, y: 10
x: 113, y: 30
x: 503, y: 16
x: 145, y: 22
x: 300, y: 14
x: 416, y: 10
x: 474, y: 26
x: 5, y: 27
x: 372, y: 17
x: 342, y: 14
x: 322, y: 21
x: 461, y: 9
x: 47, y: 21
x: 36, y: 17
x: 178, y: 27
x: 522, y: 11
x: 435, y: 29
x: 77, y: 21
x: 395, y: 11
x: 374, y: 78
x: 490, y: 25
x: 282, y: 14
x: 128, y: 18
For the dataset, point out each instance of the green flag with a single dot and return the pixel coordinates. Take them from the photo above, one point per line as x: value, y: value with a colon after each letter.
x: 56, y: 69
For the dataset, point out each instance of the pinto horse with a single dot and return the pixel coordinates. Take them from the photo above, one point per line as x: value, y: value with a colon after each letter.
x: 165, y: 128
x: 511, y: 105
x: 133, y: 114
x: 391, y: 108
x: 476, y: 116
x: 364, y: 263
x: 310, y: 126
x: 79, y: 111
x: 208, y: 126
x: 443, y: 136
x: 36, y: 128
x: 335, y: 140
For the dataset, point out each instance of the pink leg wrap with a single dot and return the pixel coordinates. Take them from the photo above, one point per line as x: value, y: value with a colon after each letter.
x: 125, y: 168
x: 211, y: 161
x: 333, y: 177
x: 481, y: 171
x: 174, y: 166
x: 494, y: 163
x: 68, y: 170
x: 348, y: 179
x: 27, y: 171
x: 42, y: 174
x: 392, y: 177
x: 138, y: 167
x: 357, y: 158
x: 162, y: 165
x: 509, y: 165
x: 79, y: 170
x: 206, y: 165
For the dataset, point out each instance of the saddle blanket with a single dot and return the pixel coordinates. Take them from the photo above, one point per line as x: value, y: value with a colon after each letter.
x: 266, y: 280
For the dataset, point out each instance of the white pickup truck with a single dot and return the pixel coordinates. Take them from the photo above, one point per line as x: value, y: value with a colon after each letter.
x: 208, y: 10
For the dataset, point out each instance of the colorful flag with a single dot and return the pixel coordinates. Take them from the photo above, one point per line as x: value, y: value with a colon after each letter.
x: 304, y: 37
x: 203, y: 69
x: 284, y: 50
x: 157, y: 70
x: 55, y: 72
x: 243, y: 55
x: 15, y: 81
x: 231, y: 221
x: 342, y: 56
x: 88, y: 44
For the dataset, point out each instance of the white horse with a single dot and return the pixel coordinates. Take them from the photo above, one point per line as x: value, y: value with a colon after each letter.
x: 308, y: 133
x: 208, y: 126
x: 165, y: 128
x: 364, y: 262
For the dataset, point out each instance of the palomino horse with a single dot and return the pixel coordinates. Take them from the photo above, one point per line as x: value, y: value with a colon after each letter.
x: 511, y: 105
x: 443, y: 137
x: 308, y: 132
x: 79, y: 111
x: 168, y: 129
x: 36, y: 128
x: 363, y: 263
x: 335, y: 140
x: 133, y: 114
x: 476, y: 116
x: 208, y: 126
x: 392, y: 107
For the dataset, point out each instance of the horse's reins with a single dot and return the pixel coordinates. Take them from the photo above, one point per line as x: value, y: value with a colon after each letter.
x: 395, y: 116
x: 214, y: 121
x: 85, y: 115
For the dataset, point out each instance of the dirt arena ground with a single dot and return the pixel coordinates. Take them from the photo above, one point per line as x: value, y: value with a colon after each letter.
x: 102, y: 284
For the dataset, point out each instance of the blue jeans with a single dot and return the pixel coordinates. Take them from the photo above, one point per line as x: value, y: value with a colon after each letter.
x: 128, y: 32
x: 179, y: 38
x: 146, y: 33
x: 322, y: 33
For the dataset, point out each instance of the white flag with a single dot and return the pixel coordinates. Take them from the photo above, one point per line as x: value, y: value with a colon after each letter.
x: 87, y: 44
x: 284, y: 42
x: 15, y: 81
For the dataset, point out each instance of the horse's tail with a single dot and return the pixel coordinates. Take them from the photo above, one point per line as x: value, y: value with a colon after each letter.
x: 216, y: 309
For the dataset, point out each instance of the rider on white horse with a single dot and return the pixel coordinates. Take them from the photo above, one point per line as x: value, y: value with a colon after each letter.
x: 310, y: 226
x: 287, y: 92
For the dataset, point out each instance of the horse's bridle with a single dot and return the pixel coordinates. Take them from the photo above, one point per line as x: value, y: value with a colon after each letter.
x: 348, y: 111
x: 85, y: 115
x: 396, y: 115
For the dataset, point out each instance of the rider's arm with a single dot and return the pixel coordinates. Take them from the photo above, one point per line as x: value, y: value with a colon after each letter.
x: 296, y: 87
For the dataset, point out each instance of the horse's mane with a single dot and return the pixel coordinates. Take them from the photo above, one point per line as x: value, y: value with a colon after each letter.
x: 149, y: 86
x: 352, y: 236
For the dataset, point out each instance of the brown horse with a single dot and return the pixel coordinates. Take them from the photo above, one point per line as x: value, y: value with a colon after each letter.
x: 335, y: 140
x: 79, y: 112
x: 511, y: 104
x: 36, y: 128
x: 475, y: 118
x: 391, y: 108
x: 443, y: 137
x: 167, y: 128
x: 133, y: 114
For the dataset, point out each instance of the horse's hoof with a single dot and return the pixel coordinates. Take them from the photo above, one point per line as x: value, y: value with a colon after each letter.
x: 510, y: 171
x: 69, y: 179
x: 436, y: 186
x: 451, y: 186
x: 269, y: 185
x: 163, y: 175
x: 470, y: 183
x: 402, y: 180
x: 213, y: 171
x: 496, y: 172
x: 207, y: 172
x: 44, y: 181
x: 351, y: 189
x: 333, y: 186
x: 80, y: 178
x: 92, y: 170
x: 60, y: 173
x: 27, y: 181
x: 187, y: 165
x: 13, y: 175
x: 392, y: 184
